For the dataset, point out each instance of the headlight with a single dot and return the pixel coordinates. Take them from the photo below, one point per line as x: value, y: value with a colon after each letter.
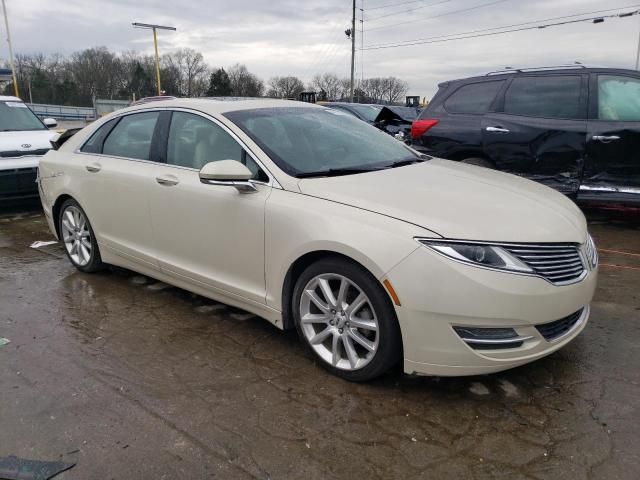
x: 490, y: 256
x: 592, y: 252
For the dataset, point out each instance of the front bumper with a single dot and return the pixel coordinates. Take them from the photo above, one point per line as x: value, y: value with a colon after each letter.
x: 18, y: 178
x: 438, y: 294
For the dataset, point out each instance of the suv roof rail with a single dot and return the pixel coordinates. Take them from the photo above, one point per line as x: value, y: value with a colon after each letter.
x: 533, y: 69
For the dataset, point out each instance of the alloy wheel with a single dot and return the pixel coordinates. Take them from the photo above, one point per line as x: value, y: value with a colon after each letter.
x: 76, y: 235
x: 339, y: 321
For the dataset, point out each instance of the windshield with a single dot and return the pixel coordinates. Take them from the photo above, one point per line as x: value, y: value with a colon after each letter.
x: 368, y: 112
x: 16, y: 116
x: 303, y: 140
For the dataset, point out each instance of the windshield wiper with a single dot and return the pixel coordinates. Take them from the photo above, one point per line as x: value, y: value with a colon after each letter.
x: 402, y: 163
x: 334, y: 172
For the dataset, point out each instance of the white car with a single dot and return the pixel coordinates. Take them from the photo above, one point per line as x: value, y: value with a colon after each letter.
x: 24, y: 138
x: 313, y: 219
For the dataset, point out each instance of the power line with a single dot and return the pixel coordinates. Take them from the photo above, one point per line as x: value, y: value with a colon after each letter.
x: 404, y: 12
x: 467, y: 35
x: 507, y: 26
x: 395, y: 4
x: 475, y: 7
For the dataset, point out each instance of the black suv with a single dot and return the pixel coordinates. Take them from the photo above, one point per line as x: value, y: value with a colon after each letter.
x: 575, y: 129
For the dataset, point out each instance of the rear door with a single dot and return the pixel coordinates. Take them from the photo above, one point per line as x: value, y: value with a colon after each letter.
x: 457, y: 133
x: 116, y: 174
x: 539, y: 129
x: 612, y: 169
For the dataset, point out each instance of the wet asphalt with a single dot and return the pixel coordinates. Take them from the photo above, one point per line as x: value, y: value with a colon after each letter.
x: 130, y: 378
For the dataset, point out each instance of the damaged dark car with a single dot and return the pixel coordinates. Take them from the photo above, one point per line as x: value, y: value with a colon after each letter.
x: 392, y: 119
x: 575, y: 129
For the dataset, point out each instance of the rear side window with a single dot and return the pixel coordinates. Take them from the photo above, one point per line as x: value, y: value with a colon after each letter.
x: 618, y: 98
x: 131, y: 137
x: 553, y: 96
x: 474, y: 98
x: 94, y: 144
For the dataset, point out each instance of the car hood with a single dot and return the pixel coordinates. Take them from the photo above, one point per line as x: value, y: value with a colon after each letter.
x: 459, y: 201
x: 25, y: 142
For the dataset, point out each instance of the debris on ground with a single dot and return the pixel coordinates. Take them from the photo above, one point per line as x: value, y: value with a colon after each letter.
x: 39, y: 244
x: 4, y: 341
x: 14, y: 468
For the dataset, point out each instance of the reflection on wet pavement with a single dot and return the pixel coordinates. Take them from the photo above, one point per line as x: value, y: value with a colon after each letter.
x: 132, y: 378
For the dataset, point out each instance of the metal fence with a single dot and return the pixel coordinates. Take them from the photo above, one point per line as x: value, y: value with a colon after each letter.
x: 61, y: 112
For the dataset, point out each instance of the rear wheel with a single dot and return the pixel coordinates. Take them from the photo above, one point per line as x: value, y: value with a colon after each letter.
x: 480, y: 162
x: 78, y: 238
x: 344, y: 317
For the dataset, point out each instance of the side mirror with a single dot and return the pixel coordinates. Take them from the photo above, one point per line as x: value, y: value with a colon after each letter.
x: 228, y: 172
x: 50, y: 122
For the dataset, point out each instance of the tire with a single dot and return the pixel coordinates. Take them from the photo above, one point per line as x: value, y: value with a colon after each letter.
x: 480, y: 162
x: 78, y: 238
x: 372, y: 324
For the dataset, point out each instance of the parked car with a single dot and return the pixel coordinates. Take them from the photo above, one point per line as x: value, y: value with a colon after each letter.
x: 363, y: 111
x: 24, y: 138
x: 575, y: 129
x: 391, y: 119
x: 317, y: 221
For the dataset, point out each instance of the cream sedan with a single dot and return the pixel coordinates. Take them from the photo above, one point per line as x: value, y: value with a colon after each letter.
x: 317, y: 221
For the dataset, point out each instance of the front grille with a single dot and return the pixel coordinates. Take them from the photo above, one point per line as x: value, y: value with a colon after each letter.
x: 558, y: 263
x: 551, y: 331
x: 24, y: 153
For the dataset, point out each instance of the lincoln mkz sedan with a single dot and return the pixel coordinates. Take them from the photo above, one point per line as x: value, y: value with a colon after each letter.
x: 315, y: 220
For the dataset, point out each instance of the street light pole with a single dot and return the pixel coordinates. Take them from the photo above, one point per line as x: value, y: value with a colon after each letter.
x: 353, y: 47
x: 155, y: 46
x: 13, y: 68
x: 637, y: 53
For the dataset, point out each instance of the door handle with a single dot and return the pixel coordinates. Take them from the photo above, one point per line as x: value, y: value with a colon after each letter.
x: 497, y: 130
x: 93, y: 167
x: 167, y: 181
x: 606, y: 138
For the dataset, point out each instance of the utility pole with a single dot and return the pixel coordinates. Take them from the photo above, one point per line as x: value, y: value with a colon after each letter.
x: 155, y: 46
x: 353, y: 47
x: 13, y: 67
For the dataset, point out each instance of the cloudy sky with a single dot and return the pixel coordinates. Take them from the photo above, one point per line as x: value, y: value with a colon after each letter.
x: 286, y: 37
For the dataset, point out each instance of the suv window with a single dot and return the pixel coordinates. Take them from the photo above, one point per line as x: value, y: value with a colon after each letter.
x: 618, y: 98
x: 131, y: 137
x: 549, y: 96
x: 195, y: 141
x: 474, y: 98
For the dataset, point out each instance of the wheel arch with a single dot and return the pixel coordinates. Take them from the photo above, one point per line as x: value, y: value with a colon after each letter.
x: 55, y: 210
x: 298, y: 266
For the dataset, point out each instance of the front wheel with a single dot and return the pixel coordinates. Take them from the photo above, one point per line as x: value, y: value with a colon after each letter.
x: 78, y: 237
x: 345, y: 318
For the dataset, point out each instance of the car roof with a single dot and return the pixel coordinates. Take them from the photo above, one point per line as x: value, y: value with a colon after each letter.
x: 8, y: 98
x: 221, y: 105
x: 538, y: 71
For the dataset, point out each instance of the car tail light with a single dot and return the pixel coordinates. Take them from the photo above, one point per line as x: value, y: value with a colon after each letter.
x: 419, y: 127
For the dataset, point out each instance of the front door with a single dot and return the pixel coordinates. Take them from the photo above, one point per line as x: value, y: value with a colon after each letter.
x: 612, y: 170
x: 212, y: 235
x: 539, y: 130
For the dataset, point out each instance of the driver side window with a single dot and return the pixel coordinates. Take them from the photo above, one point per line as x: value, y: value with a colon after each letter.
x: 195, y: 141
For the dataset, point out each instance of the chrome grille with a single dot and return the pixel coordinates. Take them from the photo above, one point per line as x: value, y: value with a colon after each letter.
x: 558, y: 263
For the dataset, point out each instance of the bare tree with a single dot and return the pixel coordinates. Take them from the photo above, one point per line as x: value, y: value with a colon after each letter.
x: 285, y: 87
x: 394, y: 89
x: 244, y: 83
x: 192, y: 71
x: 329, y: 84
